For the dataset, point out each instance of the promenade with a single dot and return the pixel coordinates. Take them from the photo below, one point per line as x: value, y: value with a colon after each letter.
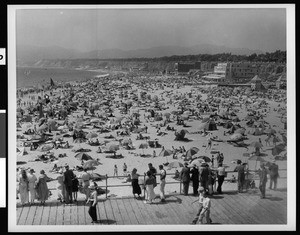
x: 228, y: 208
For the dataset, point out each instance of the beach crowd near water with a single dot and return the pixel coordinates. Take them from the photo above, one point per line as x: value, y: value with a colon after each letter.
x: 144, y: 132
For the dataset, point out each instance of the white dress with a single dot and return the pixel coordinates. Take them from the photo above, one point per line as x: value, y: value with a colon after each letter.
x: 31, y: 183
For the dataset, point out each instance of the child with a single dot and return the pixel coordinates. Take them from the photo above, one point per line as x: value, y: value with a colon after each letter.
x: 205, y: 212
x: 201, y: 192
x: 75, y: 184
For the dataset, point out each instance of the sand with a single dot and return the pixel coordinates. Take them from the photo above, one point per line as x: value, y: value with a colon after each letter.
x: 230, y: 152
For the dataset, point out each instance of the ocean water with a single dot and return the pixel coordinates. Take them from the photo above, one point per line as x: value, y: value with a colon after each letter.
x: 32, y: 77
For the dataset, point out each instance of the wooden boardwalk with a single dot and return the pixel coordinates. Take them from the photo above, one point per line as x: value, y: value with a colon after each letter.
x: 228, y: 208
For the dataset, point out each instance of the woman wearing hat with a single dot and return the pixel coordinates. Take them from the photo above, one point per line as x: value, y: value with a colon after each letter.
x: 42, y: 188
x: 60, y: 186
x: 23, y: 187
x: 31, y: 183
x: 92, y: 200
x: 136, y: 189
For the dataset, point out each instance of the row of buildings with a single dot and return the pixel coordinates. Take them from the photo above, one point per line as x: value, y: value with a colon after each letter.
x: 220, y: 72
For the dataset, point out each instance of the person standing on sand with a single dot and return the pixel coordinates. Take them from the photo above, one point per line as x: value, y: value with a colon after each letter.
x: 115, y: 170
x: 124, y: 168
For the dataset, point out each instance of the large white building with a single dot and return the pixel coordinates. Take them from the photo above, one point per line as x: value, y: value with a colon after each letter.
x: 232, y: 72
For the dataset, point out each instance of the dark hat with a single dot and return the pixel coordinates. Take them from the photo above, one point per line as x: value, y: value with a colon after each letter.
x: 31, y: 170
x: 42, y: 172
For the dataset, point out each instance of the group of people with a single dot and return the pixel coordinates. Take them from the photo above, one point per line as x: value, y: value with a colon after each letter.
x: 31, y: 187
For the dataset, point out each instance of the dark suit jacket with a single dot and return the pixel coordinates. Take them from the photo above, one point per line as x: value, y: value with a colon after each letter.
x: 185, y: 174
x: 69, y: 175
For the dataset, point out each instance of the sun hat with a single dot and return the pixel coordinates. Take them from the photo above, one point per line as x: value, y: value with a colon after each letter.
x: 92, y: 187
x: 200, y: 189
x: 60, y: 171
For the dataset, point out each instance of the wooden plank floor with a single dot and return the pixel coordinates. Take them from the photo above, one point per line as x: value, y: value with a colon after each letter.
x: 227, y: 208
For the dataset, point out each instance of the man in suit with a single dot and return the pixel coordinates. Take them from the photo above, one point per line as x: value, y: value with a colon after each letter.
x: 240, y: 169
x: 68, y: 176
x: 185, y: 178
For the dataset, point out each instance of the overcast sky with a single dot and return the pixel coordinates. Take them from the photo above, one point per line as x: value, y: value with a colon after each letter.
x: 90, y: 29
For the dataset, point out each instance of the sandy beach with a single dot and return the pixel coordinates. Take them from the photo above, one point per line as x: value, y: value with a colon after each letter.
x: 169, y: 99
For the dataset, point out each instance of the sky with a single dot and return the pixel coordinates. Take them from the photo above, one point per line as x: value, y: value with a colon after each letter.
x: 129, y: 29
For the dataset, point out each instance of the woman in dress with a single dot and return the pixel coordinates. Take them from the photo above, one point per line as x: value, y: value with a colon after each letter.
x: 149, y: 184
x: 60, y: 186
x: 92, y: 200
x: 24, y: 187
x: 31, y: 183
x: 42, y: 188
x: 136, y: 189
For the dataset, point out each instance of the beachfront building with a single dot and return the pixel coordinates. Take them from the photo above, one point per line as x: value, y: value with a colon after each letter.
x: 184, y: 68
x: 240, y: 72
x: 218, y: 76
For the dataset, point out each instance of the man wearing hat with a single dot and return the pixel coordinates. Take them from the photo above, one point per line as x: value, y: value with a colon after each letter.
x: 68, y: 175
x: 240, y: 169
x: 263, y: 180
x: 273, y: 169
x: 185, y: 178
x: 203, y: 175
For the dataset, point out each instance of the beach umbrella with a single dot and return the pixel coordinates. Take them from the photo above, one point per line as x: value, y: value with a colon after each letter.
x: 205, y: 158
x: 275, y: 140
x: 256, y: 158
x: 236, y: 136
x: 256, y: 144
x: 83, y: 156
x: 95, y: 120
x: 197, y: 162
x: 175, y: 164
x: 91, y: 135
x: 278, y: 149
x: 113, y: 147
x: 192, y: 151
x: 240, y: 130
x: 41, y: 128
x: 90, y: 164
x: 45, y: 147
x: 96, y: 177
x: 204, y: 126
x: 270, y: 131
x: 165, y: 153
x: 143, y: 146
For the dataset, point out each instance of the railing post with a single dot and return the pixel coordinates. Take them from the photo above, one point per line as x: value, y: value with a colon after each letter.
x: 106, y: 186
x: 144, y: 186
x: 180, y: 187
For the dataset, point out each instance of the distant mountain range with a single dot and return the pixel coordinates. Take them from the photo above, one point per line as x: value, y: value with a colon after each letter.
x: 27, y: 53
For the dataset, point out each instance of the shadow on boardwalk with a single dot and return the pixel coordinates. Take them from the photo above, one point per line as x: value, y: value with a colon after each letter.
x: 227, y: 208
